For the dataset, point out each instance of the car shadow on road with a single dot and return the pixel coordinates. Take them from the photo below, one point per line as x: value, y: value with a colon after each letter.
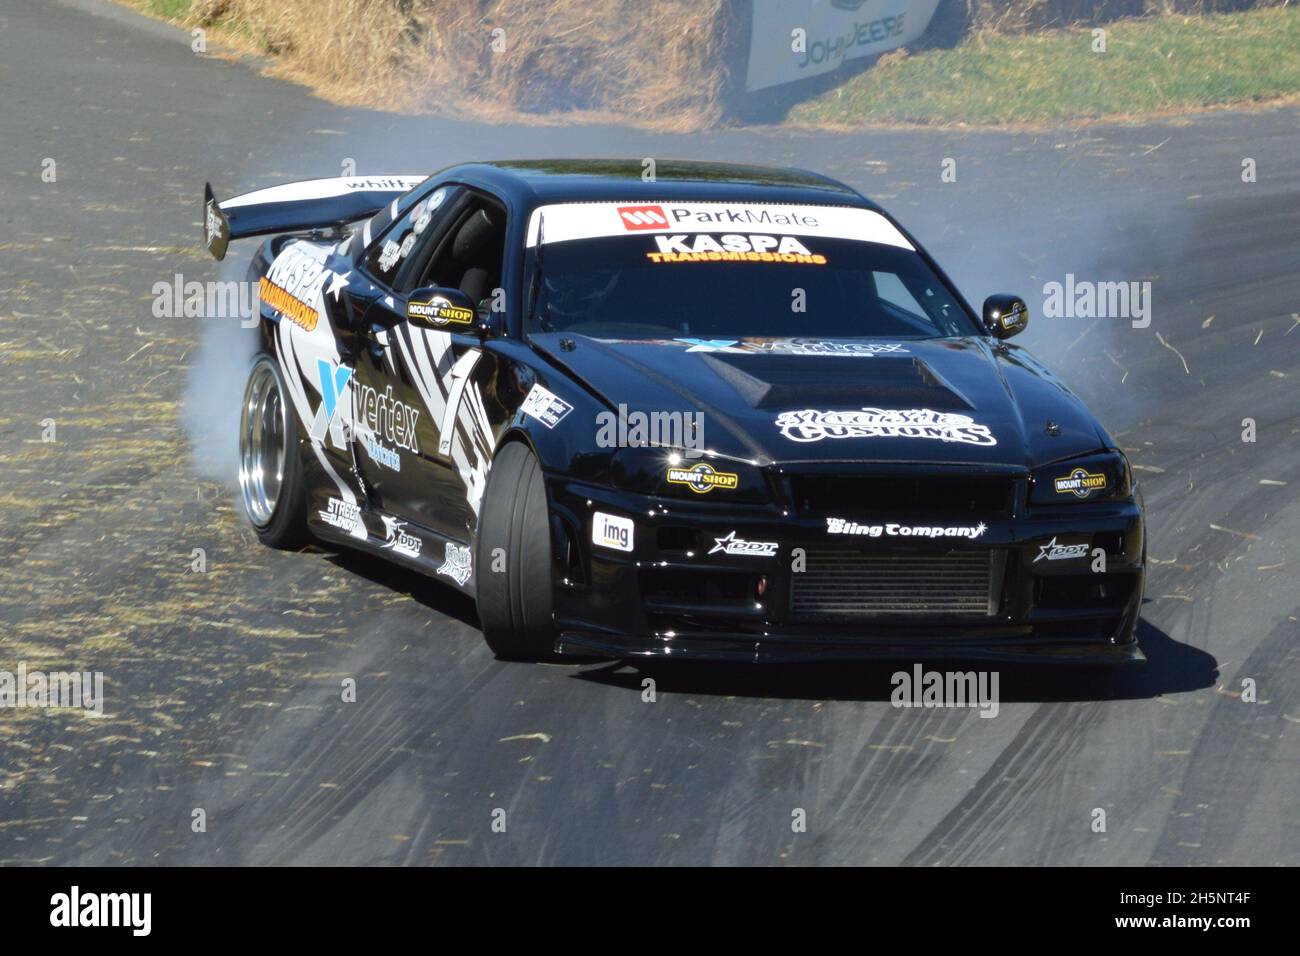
x: 435, y: 595
x: 1171, y: 667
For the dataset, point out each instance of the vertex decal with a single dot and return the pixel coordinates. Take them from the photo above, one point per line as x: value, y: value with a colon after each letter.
x: 333, y: 417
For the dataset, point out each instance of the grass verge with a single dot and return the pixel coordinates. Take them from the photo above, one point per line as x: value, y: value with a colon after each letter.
x: 1150, y: 66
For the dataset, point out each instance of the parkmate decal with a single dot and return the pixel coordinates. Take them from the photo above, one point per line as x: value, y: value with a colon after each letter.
x: 733, y: 248
x: 702, y: 478
x: 843, y: 526
x: 387, y: 417
x: 809, y: 425
x: 456, y: 563
x: 438, y: 312
x: 596, y: 220
x: 544, y: 406
x: 1061, y: 552
x: 739, y: 546
x: 1080, y: 483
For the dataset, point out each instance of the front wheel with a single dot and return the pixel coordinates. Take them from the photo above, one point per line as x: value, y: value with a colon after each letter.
x: 514, y: 559
x: 270, y: 469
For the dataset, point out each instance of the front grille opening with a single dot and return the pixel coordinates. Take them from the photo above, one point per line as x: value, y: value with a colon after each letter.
x: 676, y: 586
x: 844, y: 581
x: 677, y: 538
x: 976, y: 496
x: 1100, y: 591
x: 564, y: 542
x: 1112, y: 543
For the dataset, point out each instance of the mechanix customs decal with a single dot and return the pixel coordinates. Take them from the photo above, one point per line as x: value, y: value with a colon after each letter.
x: 438, y: 312
x: 810, y: 425
x: 702, y: 478
x: 611, y: 531
x: 345, y: 516
x: 841, y: 526
x: 733, y: 247
x: 795, y: 347
x: 398, y: 541
x: 771, y: 221
x: 456, y: 563
x: 733, y: 545
x: 1080, y: 483
x: 1061, y: 552
x: 544, y: 406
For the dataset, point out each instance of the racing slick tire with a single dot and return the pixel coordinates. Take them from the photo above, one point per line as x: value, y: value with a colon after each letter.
x: 515, y: 603
x: 270, y: 464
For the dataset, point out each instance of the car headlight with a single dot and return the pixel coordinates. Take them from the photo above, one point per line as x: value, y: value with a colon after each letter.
x: 1102, y: 477
x: 673, y: 473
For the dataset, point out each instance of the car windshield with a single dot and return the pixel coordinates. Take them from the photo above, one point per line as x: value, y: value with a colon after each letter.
x: 715, y: 271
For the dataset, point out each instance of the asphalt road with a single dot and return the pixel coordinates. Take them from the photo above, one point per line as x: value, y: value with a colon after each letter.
x: 223, y: 687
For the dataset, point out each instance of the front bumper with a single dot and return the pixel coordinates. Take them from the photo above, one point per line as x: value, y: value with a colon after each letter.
x: 669, y: 597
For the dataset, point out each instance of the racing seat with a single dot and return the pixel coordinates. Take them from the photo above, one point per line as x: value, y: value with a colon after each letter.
x: 477, y: 251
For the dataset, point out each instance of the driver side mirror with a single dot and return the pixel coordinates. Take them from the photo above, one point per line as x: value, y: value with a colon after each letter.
x: 450, y: 310
x: 1005, y: 315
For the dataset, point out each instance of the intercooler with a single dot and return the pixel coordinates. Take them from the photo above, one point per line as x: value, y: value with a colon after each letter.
x: 841, y: 580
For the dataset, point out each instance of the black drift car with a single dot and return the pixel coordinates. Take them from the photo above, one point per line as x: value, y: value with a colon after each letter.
x: 733, y: 413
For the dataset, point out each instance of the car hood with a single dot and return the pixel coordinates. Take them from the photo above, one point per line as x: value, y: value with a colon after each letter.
x: 764, y: 400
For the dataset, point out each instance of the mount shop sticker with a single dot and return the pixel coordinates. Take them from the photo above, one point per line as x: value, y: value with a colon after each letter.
x: 1080, y: 483
x: 811, y: 425
x: 439, y: 312
x: 702, y: 478
x: 733, y: 247
x: 841, y: 526
x: 740, y: 224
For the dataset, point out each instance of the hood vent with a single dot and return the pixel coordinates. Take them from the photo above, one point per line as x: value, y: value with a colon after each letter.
x: 785, y: 381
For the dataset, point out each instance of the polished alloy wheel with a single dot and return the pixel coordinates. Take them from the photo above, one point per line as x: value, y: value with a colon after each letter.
x: 263, y: 429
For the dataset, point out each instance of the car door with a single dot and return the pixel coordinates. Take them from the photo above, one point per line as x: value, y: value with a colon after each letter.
x: 423, y: 430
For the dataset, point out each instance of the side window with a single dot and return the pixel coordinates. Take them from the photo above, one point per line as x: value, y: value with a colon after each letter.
x: 471, y: 254
x: 385, y: 258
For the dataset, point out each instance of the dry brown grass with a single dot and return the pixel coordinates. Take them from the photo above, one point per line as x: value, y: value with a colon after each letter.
x: 658, y: 63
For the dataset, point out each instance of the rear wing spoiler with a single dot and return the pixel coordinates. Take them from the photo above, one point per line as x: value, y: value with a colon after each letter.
x: 297, y: 207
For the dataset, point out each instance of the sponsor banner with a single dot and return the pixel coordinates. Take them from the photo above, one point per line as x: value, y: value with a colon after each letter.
x: 545, y: 406
x: 611, y: 531
x: 833, y: 31
x: 733, y: 248
x: 686, y: 224
x: 890, y: 530
x: 809, y: 425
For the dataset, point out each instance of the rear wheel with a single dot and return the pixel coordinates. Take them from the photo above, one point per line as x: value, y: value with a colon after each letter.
x: 270, y: 470
x: 514, y: 559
